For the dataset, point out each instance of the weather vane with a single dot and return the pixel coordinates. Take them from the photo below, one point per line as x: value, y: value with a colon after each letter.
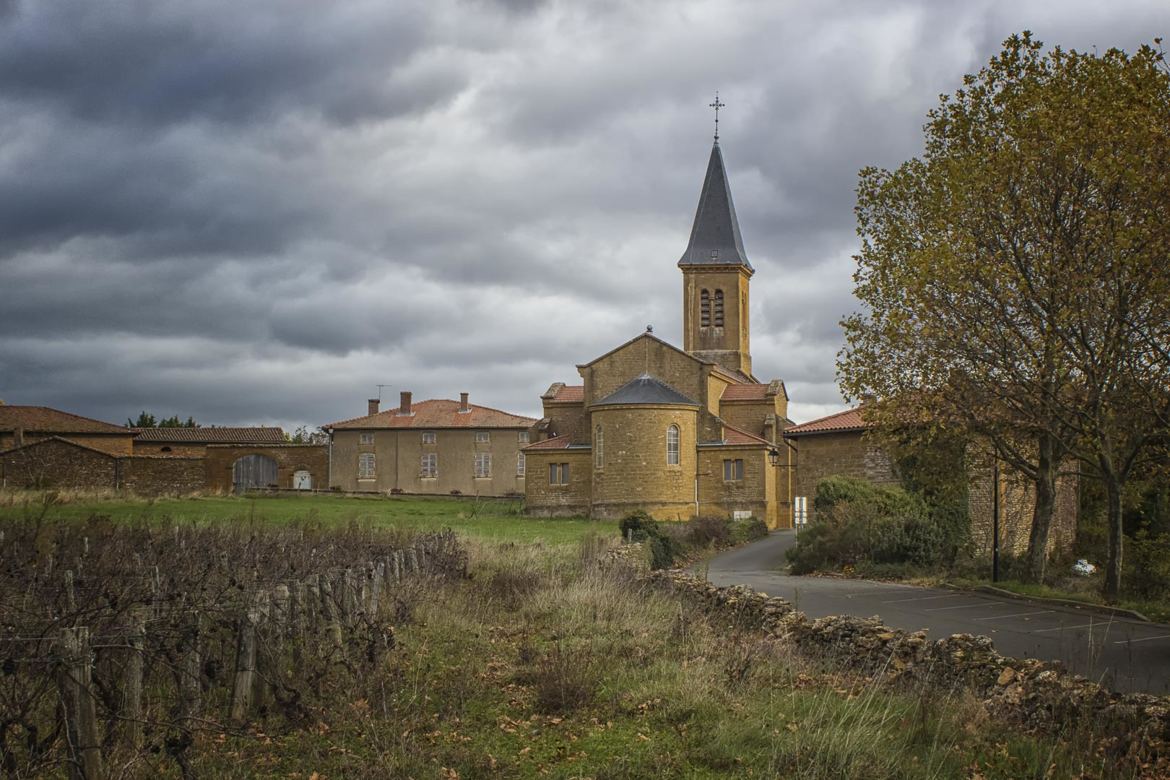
x: 717, y: 105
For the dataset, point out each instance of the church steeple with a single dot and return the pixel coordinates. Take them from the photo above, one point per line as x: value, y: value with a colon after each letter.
x: 715, y: 238
x: 716, y: 273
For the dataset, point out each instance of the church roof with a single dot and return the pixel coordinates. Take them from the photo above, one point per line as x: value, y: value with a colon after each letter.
x: 645, y: 389
x: 715, y: 238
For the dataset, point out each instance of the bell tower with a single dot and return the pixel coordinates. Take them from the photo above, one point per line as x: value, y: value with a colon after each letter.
x: 716, y: 273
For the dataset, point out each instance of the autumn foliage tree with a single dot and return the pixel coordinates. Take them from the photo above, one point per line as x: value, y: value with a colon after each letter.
x: 1014, y: 279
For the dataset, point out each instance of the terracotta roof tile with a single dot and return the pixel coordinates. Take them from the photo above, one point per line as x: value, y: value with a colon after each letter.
x: 63, y: 440
x: 42, y: 419
x: 744, y: 393
x: 211, y: 435
x: 561, y: 442
x: 570, y: 393
x: 848, y: 420
x: 736, y: 436
x: 437, y: 413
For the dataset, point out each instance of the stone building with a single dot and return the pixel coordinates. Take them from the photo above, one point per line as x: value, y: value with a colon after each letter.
x: 675, y: 432
x: 21, y: 425
x: 837, y: 445
x: 47, y: 448
x: 195, y: 441
x: 437, y: 447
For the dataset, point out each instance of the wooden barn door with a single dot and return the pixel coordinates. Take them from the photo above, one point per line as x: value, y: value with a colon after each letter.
x: 253, y: 471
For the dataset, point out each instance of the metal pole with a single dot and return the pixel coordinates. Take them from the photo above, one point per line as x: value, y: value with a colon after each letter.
x: 995, y: 522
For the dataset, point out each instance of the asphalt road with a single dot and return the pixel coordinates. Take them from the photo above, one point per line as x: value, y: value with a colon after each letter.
x: 1124, y: 654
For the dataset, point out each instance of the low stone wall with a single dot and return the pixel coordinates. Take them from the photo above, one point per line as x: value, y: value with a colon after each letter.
x: 1133, y: 728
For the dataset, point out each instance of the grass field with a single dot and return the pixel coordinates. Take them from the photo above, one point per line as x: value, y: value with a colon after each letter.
x: 496, y: 520
x: 541, y: 665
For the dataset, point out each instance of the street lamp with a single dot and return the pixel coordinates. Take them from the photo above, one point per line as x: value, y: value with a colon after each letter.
x: 774, y: 456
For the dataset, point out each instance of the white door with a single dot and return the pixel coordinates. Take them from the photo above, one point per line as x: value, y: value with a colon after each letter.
x: 302, y: 480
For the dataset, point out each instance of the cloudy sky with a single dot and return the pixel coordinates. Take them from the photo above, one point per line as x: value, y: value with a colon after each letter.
x: 256, y: 212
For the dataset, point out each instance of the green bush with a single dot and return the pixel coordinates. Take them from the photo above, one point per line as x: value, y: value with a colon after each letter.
x: 1147, y: 566
x: 857, y: 521
x: 748, y: 530
x: 709, y: 532
x: 638, y: 526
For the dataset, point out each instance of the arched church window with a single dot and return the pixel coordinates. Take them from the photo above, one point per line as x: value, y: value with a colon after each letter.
x: 598, y: 448
x: 718, y: 308
x: 672, y: 445
x: 704, y: 309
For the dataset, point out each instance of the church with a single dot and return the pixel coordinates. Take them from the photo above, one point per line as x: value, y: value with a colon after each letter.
x: 676, y: 432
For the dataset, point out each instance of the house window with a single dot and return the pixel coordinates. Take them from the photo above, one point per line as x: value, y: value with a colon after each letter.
x: 365, y: 438
x: 428, y: 437
x: 483, y: 437
x: 483, y: 465
x: 366, y: 465
x: 598, y: 449
x: 672, y: 445
x: 558, y: 473
x: 429, y: 466
x: 733, y: 470
x: 520, y: 464
x: 522, y: 437
x: 718, y: 308
x: 704, y: 309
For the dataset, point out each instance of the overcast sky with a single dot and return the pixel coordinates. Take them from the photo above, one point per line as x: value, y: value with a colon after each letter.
x: 256, y: 212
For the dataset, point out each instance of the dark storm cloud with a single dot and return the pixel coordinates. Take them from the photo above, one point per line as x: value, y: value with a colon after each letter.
x: 257, y: 212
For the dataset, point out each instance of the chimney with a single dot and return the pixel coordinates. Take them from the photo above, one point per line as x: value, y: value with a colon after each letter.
x: 404, y: 403
x: 372, y: 406
x: 463, y: 407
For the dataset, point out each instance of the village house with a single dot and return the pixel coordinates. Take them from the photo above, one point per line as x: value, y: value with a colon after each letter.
x: 838, y: 445
x: 437, y: 447
x: 676, y: 432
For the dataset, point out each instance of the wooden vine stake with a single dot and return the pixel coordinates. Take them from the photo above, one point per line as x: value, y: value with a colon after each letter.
x: 132, y: 689
x: 76, y: 682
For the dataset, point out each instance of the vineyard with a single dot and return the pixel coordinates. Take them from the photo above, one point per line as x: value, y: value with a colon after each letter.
x: 122, y: 644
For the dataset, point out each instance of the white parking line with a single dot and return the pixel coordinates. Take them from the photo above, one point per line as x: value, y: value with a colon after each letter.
x: 959, y: 606
x: 1098, y: 624
x: 922, y: 598
x: 1016, y: 615
x: 1143, y: 639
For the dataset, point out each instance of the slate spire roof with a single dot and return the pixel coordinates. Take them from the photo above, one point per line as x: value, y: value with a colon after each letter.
x: 715, y: 238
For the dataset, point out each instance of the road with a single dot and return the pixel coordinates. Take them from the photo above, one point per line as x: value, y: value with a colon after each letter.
x: 1121, y: 653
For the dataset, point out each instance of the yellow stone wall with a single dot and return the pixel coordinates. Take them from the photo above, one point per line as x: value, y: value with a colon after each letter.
x: 545, y: 500
x: 398, y: 456
x: 634, y: 472
x: 763, y: 491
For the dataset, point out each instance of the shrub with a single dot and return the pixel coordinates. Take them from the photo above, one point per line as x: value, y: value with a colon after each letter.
x: 637, y: 526
x: 858, y: 521
x: 748, y: 530
x: 709, y: 531
x: 1147, y: 566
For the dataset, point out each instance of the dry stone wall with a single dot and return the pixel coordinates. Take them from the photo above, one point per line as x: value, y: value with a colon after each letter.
x: 1130, y: 728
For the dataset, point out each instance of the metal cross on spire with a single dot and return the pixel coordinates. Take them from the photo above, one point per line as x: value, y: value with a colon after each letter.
x: 717, y: 105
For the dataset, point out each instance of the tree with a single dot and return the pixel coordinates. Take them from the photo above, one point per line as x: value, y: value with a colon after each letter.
x: 303, y: 435
x: 1014, y: 277
x: 147, y: 420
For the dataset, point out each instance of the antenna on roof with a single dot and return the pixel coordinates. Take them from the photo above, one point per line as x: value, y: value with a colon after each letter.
x: 717, y: 105
x: 380, y: 391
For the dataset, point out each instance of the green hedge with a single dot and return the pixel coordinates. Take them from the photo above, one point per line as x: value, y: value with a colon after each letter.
x: 857, y: 521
